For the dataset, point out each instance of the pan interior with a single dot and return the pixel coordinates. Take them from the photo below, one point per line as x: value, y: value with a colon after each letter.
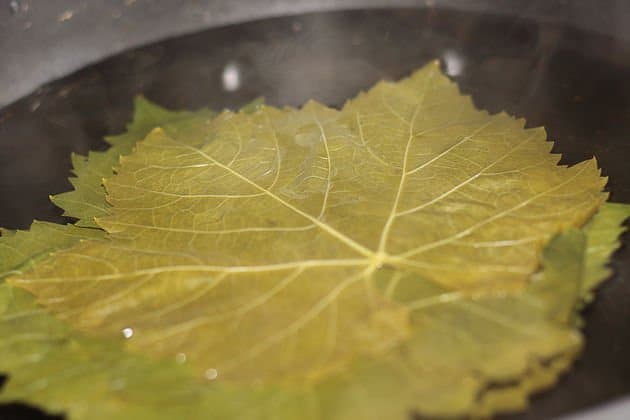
x: 571, y: 82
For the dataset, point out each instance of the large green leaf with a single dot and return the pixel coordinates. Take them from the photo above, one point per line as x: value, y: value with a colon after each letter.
x: 326, y: 264
x: 87, y: 200
x: 64, y: 371
x: 476, y: 356
x: 603, y: 233
x: 20, y: 249
x: 288, y: 216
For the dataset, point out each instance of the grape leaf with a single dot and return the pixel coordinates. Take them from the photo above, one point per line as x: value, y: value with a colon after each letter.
x: 464, y: 350
x: 288, y: 216
x: 333, y: 168
x: 478, y: 356
x: 87, y: 378
x: 603, y: 233
x: 63, y: 371
x: 19, y: 250
x: 87, y: 200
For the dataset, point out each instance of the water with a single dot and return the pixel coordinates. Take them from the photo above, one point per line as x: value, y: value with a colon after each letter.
x: 14, y: 6
x: 573, y: 83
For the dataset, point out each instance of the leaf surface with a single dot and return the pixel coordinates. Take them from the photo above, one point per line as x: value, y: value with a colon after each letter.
x: 307, y: 262
x: 19, y: 250
x: 603, y: 238
x: 476, y: 356
x: 87, y: 200
x: 64, y: 371
x: 270, y: 228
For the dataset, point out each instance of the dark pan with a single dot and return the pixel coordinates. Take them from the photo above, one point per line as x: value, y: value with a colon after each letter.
x: 572, y: 82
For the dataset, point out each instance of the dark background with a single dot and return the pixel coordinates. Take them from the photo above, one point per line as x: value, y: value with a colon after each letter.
x: 560, y: 64
x: 41, y: 40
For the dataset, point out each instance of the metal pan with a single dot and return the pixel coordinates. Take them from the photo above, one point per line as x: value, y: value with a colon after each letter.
x: 568, y: 76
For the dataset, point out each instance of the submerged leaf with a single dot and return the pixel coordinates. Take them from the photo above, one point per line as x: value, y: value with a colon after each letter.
x: 52, y: 366
x: 269, y: 229
x: 62, y: 370
x: 19, y: 250
x: 465, y: 352
x: 316, y: 263
x: 476, y: 356
x: 603, y: 238
x: 87, y: 200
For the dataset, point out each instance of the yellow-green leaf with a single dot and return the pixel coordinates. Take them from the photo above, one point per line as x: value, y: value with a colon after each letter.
x: 329, y: 255
x: 468, y: 198
x: 105, y: 382
x: 268, y: 229
x: 87, y: 200
x: 476, y: 356
x: 603, y: 237
x: 19, y: 250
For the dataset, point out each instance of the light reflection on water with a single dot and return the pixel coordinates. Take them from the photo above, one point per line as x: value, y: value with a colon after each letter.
x: 212, y: 374
x: 454, y: 63
x: 127, y: 332
x: 231, y: 77
x: 180, y: 358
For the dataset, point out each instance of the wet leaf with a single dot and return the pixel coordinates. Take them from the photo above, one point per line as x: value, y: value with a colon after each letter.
x: 106, y: 382
x: 316, y: 263
x: 19, y: 250
x: 603, y: 236
x: 87, y: 200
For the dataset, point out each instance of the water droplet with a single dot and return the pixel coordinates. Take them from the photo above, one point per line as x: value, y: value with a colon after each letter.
x: 180, y: 358
x: 231, y: 77
x: 211, y: 374
x: 127, y: 332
